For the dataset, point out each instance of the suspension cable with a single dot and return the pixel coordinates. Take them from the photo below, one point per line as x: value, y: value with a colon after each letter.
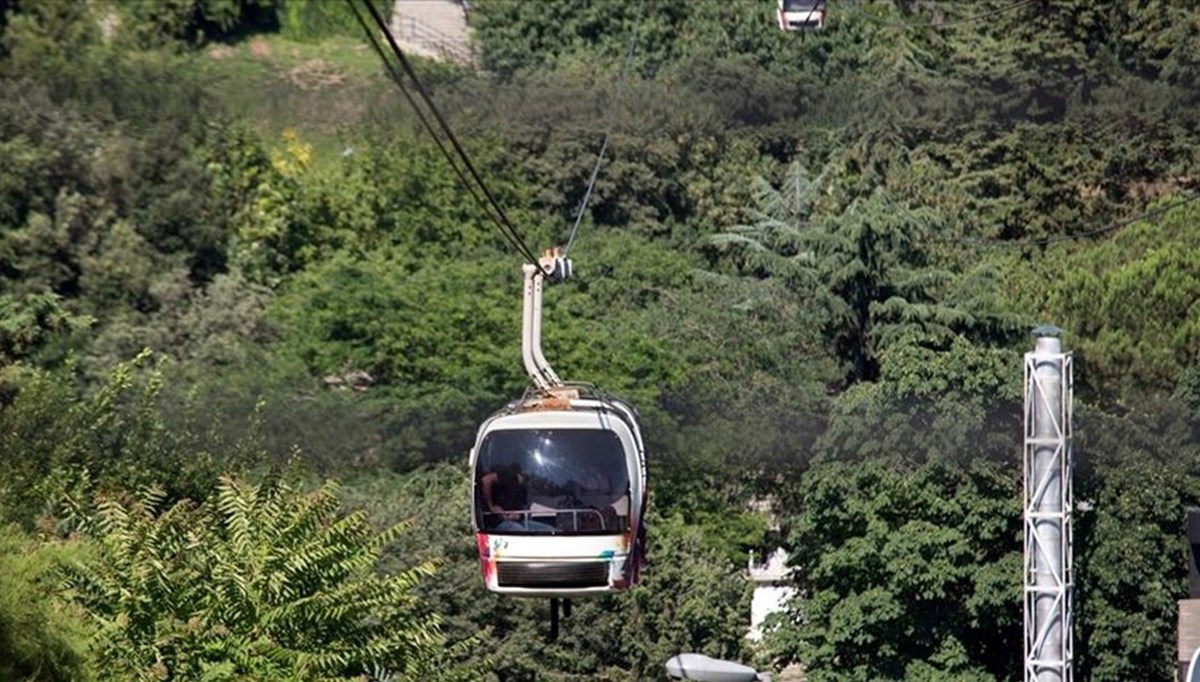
x: 428, y: 126
x: 488, y: 201
x: 612, y: 120
x: 421, y: 90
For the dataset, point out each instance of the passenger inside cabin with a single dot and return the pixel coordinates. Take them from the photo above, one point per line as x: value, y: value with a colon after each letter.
x: 591, y: 490
x: 506, y: 495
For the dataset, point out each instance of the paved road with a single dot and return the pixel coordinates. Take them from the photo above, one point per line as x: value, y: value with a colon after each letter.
x: 432, y: 28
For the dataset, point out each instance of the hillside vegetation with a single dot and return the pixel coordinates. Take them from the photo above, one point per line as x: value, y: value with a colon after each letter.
x: 250, y: 320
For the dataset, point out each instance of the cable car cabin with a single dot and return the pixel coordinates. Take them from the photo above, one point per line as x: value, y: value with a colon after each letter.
x: 799, y: 15
x: 559, y: 478
x: 559, y: 495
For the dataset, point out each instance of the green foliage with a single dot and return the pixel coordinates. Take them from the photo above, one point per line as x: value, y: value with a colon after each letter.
x: 864, y: 268
x: 316, y: 19
x: 264, y: 582
x: 42, y: 637
x: 866, y: 315
x: 692, y: 596
x: 27, y: 325
x: 5, y: 10
x: 57, y: 441
x: 904, y: 575
x: 115, y: 218
x: 1018, y: 131
x: 752, y: 397
x: 447, y: 350
x: 1131, y: 302
x: 48, y: 158
x: 43, y: 35
x: 1137, y: 475
x: 515, y: 36
x: 393, y: 189
x: 438, y: 498
x: 961, y: 404
x: 218, y: 325
x: 682, y: 147
x: 441, y: 352
x: 1187, y: 390
x: 124, y: 207
x: 158, y: 24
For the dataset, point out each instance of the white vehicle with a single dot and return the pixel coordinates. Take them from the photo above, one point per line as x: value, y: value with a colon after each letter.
x: 799, y: 15
x: 559, y: 481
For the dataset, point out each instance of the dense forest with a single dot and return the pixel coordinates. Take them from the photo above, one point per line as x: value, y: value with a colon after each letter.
x: 250, y: 320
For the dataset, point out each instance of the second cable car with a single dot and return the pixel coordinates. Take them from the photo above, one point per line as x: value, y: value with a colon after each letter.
x: 797, y: 15
x: 559, y: 479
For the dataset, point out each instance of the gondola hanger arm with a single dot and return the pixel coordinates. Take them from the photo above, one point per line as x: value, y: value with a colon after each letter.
x: 554, y: 265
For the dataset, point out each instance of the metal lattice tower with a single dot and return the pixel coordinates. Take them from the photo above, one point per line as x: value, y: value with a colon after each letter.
x: 1049, y: 574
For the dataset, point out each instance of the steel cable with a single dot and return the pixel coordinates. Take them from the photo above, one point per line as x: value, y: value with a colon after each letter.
x: 491, y: 206
x: 612, y: 119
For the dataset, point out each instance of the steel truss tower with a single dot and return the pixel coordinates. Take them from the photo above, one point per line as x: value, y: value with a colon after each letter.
x: 1049, y: 574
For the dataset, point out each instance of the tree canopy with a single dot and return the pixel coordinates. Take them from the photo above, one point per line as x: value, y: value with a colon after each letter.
x: 810, y: 260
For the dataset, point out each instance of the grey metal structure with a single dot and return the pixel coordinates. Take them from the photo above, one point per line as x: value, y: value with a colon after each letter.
x: 1049, y: 574
x: 706, y: 669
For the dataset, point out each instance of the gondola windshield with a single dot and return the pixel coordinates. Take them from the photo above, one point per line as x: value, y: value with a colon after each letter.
x: 552, y: 481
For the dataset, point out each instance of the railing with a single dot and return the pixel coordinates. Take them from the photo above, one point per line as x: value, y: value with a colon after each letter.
x: 556, y: 521
x: 417, y: 32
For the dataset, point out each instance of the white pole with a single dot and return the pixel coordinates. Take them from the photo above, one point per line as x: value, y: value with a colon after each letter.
x: 1049, y: 579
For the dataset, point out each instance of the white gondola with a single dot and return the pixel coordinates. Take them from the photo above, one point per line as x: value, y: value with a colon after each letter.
x: 559, y: 479
x: 705, y: 669
x: 799, y: 15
